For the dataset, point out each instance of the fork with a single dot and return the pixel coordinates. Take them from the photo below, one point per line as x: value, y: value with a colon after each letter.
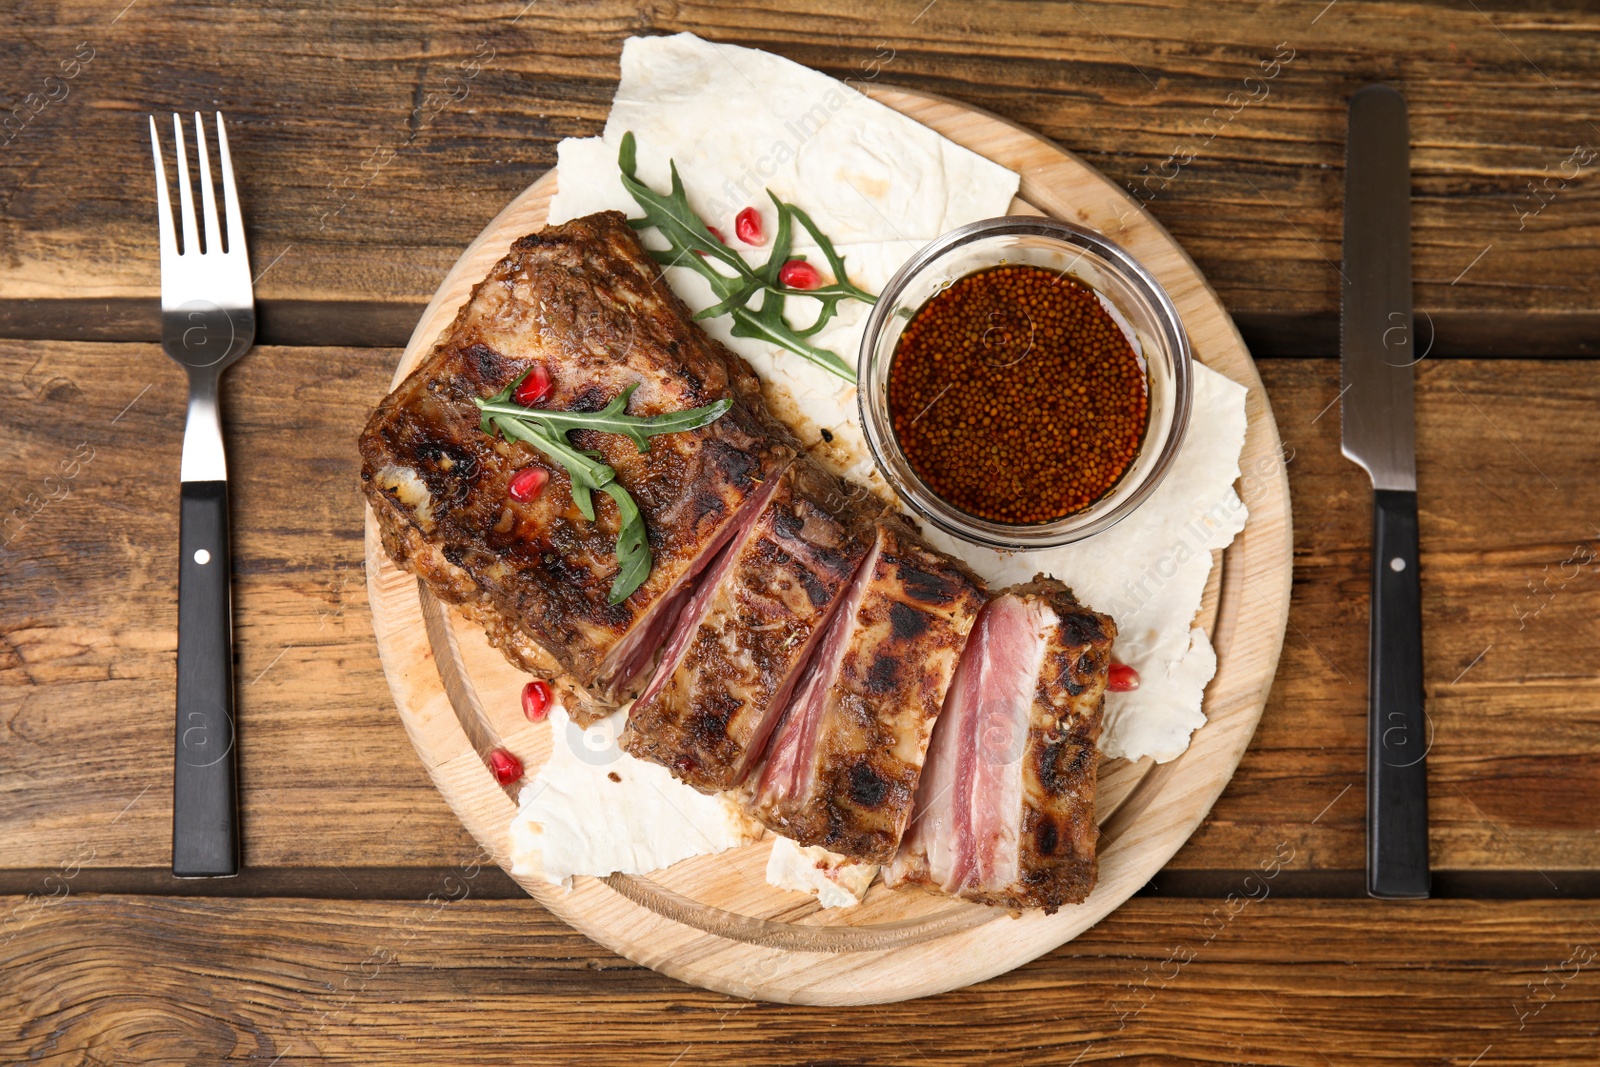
x: 208, y: 320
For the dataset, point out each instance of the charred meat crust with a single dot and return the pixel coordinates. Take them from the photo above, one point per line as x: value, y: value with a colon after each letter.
x: 585, y: 299
x: 711, y: 718
x: 906, y: 637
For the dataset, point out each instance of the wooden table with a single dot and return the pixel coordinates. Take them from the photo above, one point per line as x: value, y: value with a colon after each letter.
x: 374, y: 140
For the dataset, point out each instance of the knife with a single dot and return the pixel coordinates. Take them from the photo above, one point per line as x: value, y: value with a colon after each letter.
x: 1380, y: 434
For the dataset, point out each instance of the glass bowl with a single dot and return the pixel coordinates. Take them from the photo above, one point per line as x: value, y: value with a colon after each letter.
x: 1134, y: 299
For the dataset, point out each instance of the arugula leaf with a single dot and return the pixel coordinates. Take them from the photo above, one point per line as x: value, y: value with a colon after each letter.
x: 693, y: 246
x: 769, y: 325
x: 782, y: 241
x: 611, y: 418
x: 633, y: 547
x: 673, y: 216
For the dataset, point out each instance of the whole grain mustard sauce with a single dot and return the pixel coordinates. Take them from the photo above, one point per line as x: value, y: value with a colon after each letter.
x: 1016, y: 396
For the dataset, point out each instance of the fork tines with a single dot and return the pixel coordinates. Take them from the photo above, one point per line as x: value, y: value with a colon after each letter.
x: 213, y: 233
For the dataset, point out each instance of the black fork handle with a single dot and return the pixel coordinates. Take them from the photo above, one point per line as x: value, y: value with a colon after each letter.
x: 205, y: 815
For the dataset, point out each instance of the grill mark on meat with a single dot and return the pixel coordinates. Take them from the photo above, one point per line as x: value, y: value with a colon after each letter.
x: 866, y: 788
x: 929, y: 586
x: 591, y: 399
x: 817, y: 591
x: 491, y: 365
x: 1083, y: 628
x: 884, y: 674
x: 705, y: 505
x: 1046, y: 838
x: 708, y: 725
x: 907, y: 622
x: 1061, y: 765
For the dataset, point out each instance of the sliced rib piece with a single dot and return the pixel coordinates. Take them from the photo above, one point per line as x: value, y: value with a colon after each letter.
x: 737, y: 647
x: 842, y: 769
x: 585, y: 300
x: 1005, y: 810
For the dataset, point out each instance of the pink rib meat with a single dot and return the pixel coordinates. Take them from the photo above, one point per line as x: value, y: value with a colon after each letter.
x: 974, y: 808
x: 1005, y: 810
x: 792, y: 755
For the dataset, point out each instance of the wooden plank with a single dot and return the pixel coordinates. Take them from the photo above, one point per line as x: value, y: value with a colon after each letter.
x: 329, y: 778
x: 373, y: 142
x: 114, y: 980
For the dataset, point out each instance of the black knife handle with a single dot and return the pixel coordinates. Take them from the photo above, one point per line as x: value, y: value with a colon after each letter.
x: 205, y: 818
x: 1397, y: 738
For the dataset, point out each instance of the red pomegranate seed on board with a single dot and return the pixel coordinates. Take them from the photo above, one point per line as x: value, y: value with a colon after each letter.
x: 747, y: 224
x: 1122, y: 678
x: 534, y: 388
x: 798, y: 274
x: 527, y: 484
x: 536, y: 698
x: 506, y: 767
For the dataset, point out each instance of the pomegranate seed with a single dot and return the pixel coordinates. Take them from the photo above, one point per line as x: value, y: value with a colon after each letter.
x: 798, y: 274
x: 506, y: 767
x: 534, y: 388
x: 536, y: 698
x: 527, y: 484
x: 747, y: 224
x: 1122, y: 678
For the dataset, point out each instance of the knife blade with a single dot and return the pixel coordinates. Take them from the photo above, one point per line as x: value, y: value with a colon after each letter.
x: 1379, y: 433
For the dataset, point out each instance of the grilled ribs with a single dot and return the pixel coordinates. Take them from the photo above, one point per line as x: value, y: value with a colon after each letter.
x: 784, y: 604
x: 737, y: 648
x: 586, y: 300
x: 842, y: 769
x: 1005, y: 809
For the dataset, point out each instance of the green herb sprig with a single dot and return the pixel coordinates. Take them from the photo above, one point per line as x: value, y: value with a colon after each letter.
x: 694, y: 246
x: 546, y: 430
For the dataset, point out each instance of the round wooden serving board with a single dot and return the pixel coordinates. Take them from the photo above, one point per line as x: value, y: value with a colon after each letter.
x: 713, y: 920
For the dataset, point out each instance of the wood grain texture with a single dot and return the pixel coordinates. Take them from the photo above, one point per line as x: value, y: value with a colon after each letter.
x: 712, y: 920
x: 89, y: 582
x: 1510, y: 512
x: 157, y: 981
x: 374, y: 140
x: 86, y: 612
